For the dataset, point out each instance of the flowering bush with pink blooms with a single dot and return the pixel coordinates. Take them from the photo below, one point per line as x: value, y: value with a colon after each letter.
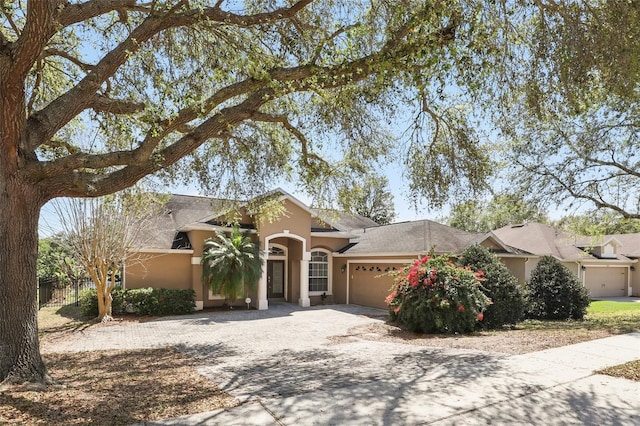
x: 433, y: 295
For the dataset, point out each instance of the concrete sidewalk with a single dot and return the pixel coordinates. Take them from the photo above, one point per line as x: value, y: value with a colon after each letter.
x: 430, y: 386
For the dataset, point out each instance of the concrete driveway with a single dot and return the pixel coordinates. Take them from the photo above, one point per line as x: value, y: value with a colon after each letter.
x: 294, y: 366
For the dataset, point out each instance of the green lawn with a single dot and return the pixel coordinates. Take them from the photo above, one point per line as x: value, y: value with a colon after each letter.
x: 618, y: 317
x: 614, y: 317
x: 604, y: 306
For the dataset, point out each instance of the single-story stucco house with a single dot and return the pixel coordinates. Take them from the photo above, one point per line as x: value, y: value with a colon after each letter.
x: 314, y: 256
x: 606, y: 265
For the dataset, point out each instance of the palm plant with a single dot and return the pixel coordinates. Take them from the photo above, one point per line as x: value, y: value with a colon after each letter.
x: 231, y: 264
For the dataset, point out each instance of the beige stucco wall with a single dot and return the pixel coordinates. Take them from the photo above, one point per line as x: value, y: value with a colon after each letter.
x: 635, y: 281
x: 295, y: 222
x: 573, y: 267
x: 294, y: 219
x: 520, y: 267
x: 197, y: 239
x: 293, y: 270
x: 160, y: 271
x: 331, y: 244
x: 517, y: 266
x: 339, y: 283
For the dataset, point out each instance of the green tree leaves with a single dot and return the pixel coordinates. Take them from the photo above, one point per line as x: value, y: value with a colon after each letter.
x: 501, y: 210
x: 371, y: 198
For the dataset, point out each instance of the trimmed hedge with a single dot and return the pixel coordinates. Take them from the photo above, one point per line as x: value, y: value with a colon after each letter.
x: 555, y: 292
x: 498, y: 284
x: 141, y: 301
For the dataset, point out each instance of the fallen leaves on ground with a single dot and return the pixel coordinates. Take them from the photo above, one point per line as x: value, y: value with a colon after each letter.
x: 630, y: 370
x: 512, y: 342
x: 114, y: 388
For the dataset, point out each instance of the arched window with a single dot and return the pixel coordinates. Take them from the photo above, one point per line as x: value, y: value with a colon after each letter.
x: 319, y: 272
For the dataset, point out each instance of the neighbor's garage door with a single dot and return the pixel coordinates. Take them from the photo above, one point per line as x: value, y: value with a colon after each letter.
x: 606, y: 282
x: 366, y: 285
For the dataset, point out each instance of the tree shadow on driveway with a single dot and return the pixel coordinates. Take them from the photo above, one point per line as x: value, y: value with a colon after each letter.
x: 362, y: 378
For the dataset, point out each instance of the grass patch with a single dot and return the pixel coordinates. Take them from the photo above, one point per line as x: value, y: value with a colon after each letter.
x: 51, y: 318
x: 612, y: 317
x: 630, y: 370
x: 606, y: 306
x: 114, y: 388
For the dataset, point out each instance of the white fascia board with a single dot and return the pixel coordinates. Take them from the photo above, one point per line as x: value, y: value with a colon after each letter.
x: 413, y: 255
x: 162, y: 251
x: 295, y: 201
x: 284, y: 195
x: 498, y: 241
x: 518, y: 256
x: 416, y: 255
x: 400, y: 261
x: 209, y: 227
x: 606, y: 263
x: 338, y: 234
x: 616, y: 242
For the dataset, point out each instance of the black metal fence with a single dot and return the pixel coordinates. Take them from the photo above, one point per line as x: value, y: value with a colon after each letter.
x: 52, y: 292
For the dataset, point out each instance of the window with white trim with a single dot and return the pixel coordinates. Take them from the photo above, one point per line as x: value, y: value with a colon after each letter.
x: 319, y: 270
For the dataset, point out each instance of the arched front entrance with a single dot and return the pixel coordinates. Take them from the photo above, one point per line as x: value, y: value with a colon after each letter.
x: 285, y: 274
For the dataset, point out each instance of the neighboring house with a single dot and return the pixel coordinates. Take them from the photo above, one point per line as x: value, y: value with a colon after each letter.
x: 606, y: 265
x: 315, y: 256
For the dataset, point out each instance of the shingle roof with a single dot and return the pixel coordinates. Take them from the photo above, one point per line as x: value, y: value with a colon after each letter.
x: 541, y: 239
x: 181, y: 211
x: 418, y: 237
x: 178, y: 211
x: 340, y: 220
x: 630, y: 244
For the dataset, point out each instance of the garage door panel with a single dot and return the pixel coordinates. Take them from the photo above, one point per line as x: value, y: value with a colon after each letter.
x: 606, y: 282
x: 368, y: 284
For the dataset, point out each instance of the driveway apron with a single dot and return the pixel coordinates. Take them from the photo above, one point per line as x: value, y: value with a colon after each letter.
x: 299, y: 366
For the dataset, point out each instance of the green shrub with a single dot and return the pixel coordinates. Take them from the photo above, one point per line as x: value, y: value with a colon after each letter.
x: 434, y: 296
x: 498, y: 284
x: 159, y: 301
x: 555, y: 292
x: 174, y: 301
x: 142, y: 301
x: 117, y: 304
x: 88, y: 300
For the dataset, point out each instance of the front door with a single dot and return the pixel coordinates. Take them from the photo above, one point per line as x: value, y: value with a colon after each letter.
x: 275, y: 279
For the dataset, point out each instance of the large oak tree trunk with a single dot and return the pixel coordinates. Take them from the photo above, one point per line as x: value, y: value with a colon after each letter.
x: 20, y: 359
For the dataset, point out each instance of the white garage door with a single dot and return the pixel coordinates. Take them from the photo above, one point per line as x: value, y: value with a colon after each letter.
x: 606, y: 282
